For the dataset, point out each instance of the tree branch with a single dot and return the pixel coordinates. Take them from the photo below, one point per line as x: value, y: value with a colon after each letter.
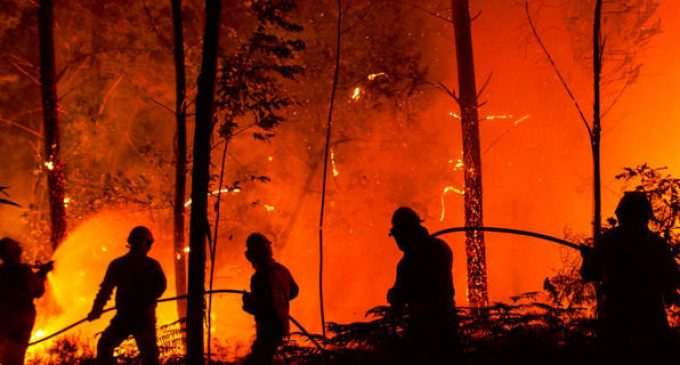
x: 556, y: 69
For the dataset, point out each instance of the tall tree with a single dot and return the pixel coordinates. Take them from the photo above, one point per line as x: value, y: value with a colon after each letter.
x: 598, y: 47
x: 199, y: 228
x: 180, y: 155
x: 52, y: 160
x: 631, y: 28
x: 467, y: 100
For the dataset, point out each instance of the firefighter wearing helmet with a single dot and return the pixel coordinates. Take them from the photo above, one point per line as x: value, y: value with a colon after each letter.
x: 139, y: 281
x: 637, y: 277
x: 424, y: 290
x: 19, y: 285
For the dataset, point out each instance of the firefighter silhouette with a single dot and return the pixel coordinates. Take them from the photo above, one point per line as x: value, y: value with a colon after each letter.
x: 271, y: 288
x: 139, y: 282
x: 424, y: 289
x: 19, y: 285
x: 637, y: 277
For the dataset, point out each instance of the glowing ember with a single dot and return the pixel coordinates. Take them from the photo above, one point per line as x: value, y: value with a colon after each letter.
x: 448, y: 189
x: 269, y: 208
x: 333, y: 164
x: 374, y: 76
x: 67, y: 201
x: 187, y: 249
x: 215, y: 193
x: 356, y: 94
x: 49, y: 165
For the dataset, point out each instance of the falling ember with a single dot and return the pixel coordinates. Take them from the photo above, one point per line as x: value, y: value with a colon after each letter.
x: 187, y: 249
x: 520, y: 120
x: 333, y: 164
x: 356, y: 94
x: 67, y: 201
x: 215, y: 193
x: 269, y: 208
x: 454, y: 115
x: 49, y: 165
x: 374, y: 76
x: 448, y: 189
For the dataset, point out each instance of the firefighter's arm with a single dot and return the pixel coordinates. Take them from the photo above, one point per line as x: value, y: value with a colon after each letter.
x: 671, y: 274
x: 395, y: 296
x: 294, y: 289
x: 105, y: 291
x: 591, y: 263
x: 36, y: 283
x: 249, y: 298
x: 160, y: 282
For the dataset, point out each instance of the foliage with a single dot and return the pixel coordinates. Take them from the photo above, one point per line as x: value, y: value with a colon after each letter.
x: 524, y: 330
x: 249, y: 82
x: 628, y: 27
x: 67, y: 350
x: 566, y: 287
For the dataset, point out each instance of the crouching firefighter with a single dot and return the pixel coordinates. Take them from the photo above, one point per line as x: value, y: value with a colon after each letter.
x: 19, y: 285
x: 271, y: 288
x: 139, y: 282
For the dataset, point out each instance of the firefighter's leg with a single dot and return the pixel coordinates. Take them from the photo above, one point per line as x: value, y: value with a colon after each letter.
x: 11, y: 352
x: 147, y: 344
x: 112, y: 336
x: 263, y: 350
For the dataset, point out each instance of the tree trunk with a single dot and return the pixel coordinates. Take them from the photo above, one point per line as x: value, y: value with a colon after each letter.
x: 199, y: 227
x: 53, y: 164
x: 474, y: 241
x: 180, y: 157
x: 597, y: 128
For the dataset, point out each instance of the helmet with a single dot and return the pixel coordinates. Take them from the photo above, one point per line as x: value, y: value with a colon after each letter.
x: 634, y: 206
x: 140, y: 234
x: 405, y: 217
x: 10, y: 250
x: 258, y: 246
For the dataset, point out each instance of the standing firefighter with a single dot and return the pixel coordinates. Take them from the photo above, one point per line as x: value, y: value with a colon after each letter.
x: 139, y: 282
x: 638, y: 277
x: 424, y: 288
x: 19, y: 285
x: 271, y: 288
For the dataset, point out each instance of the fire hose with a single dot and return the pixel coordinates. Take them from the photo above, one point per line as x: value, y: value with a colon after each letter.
x: 179, y: 297
x: 513, y: 231
x: 517, y: 232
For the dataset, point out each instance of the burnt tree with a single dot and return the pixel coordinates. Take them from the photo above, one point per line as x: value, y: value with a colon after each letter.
x: 598, y: 46
x: 52, y: 161
x: 180, y: 155
x: 199, y: 228
x: 467, y: 100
